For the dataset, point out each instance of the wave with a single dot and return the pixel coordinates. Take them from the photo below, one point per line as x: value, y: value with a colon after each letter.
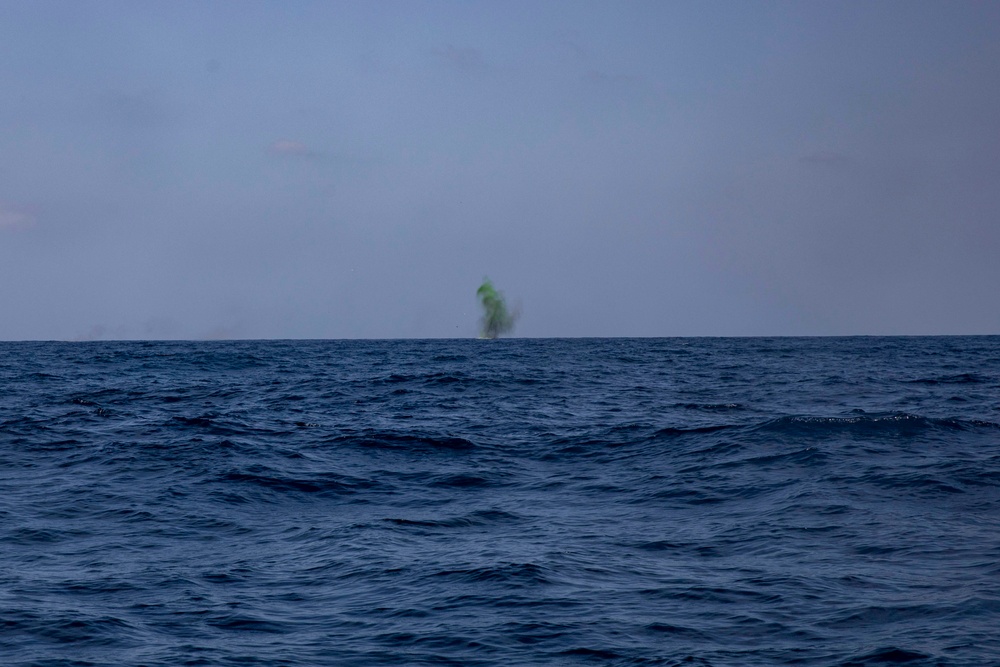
x: 885, y: 424
x: 328, y: 484
x: 673, y: 432
x: 518, y: 574
x: 460, y: 481
x: 244, y: 623
x: 712, y: 407
x: 402, y: 441
x: 435, y: 378
x: 477, y: 518
x: 890, y: 655
x: 961, y: 378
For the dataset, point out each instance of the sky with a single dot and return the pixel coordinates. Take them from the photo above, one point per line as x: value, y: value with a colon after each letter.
x: 242, y: 169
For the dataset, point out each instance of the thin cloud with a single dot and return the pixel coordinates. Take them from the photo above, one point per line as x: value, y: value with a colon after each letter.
x: 465, y: 58
x: 96, y: 332
x: 572, y: 41
x: 225, y: 332
x: 141, y: 111
x: 289, y: 148
x: 598, y: 78
x: 12, y: 218
x: 826, y: 158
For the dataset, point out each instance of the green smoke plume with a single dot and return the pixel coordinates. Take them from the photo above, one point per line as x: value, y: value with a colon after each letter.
x: 497, y: 320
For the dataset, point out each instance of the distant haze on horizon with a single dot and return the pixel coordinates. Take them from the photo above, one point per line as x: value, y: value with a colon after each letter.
x: 320, y: 169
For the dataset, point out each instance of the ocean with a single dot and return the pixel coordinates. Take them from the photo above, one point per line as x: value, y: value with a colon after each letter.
x: 684, y: 501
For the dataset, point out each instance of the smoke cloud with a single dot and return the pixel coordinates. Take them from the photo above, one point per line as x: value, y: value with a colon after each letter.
x: 497, y: 319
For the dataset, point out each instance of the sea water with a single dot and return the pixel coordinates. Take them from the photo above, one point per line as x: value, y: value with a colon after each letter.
x: 754, y: 501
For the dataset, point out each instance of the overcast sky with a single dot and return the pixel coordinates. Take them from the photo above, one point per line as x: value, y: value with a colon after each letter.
x: 325, y: 169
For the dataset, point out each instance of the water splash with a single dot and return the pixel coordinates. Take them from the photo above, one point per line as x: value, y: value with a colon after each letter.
x: 497, y: 319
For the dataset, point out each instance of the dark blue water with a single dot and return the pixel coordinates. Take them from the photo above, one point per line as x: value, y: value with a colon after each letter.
x: 513, y: 502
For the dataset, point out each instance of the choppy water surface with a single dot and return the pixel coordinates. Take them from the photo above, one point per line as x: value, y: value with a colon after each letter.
x: 512, y: 502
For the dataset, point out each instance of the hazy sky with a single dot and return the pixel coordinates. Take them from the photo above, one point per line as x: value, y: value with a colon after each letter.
x: 325, y: 169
